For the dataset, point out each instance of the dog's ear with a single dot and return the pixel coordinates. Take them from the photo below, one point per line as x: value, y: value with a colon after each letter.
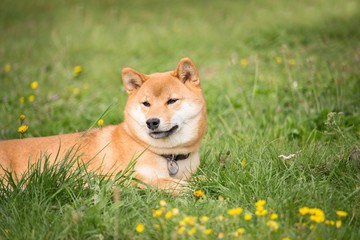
x: 187, y: 72
x: 132, y: 79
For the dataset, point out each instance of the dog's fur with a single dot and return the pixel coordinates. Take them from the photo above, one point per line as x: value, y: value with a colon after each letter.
x: 156, y: 104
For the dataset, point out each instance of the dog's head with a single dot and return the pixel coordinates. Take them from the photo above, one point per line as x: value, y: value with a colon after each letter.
x: 165, y: 110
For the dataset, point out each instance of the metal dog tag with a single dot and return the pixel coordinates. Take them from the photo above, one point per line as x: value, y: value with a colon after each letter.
x: 173, y: 167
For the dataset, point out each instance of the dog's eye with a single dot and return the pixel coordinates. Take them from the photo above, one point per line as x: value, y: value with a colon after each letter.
x: 171, y: 101
x: 146, y: 104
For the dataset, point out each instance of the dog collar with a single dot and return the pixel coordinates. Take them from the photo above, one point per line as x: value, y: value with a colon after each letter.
x: 172, y: 164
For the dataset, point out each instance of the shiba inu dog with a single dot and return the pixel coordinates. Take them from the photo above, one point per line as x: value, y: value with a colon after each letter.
x: 165, y: 120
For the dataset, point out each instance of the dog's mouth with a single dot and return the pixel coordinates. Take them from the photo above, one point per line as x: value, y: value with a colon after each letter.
x: 163, y: 134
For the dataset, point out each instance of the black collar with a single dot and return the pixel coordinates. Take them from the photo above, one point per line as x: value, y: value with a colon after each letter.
x: 175, y: 157
x: 172, y: 159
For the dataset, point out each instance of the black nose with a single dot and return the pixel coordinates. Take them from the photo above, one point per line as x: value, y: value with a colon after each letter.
x: 153, y: 123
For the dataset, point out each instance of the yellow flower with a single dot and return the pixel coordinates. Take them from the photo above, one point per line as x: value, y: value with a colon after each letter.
x: 278, y: 60
x: 22, y: 129
x: 77, y: 70
x: 157, y: 212
x: 204, y: 219
x: 7, y: 68
x: 175, y: 211
x: 221, y: 198
x: 261, y: 212
x: 304, y: 210
x: 221, y: 235
x: 31, y: 98
x: 22, y: 117
x: 235, y: 211
x: 140, y: 228
x: 192, y: 231
x: 274, y: 226
x: 338, y: 224
x: 260, y: 203
x: 199, y: 193
x: 286, y: 238
x: 247, y: 216
x: 100, y: 123
x: 162, y: 202
x: 208, y: 231
x: 21, y: 100
x: 168, y: 215
x: 341, y: 213
x: 181, y: 230
x: 34, y: 85
x: 243, y: 163
x: 75, y: 91
x: 330, y: 222
x: 221, y: 218
x: 273, y: 216
x: 240, y: 230
x: 244, y: 62
x: 292, y: 61
x: 188, y: 220
x: 317, y: 215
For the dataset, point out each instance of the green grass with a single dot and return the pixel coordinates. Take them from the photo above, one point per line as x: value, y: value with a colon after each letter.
x: 271, y: 72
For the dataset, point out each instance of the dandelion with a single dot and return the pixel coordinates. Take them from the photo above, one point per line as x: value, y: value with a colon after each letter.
x: 100, y: 123
x: 261, y: 212
x: 330, y: 222
x: 273, y: 216
x: 175, y: 211
x: 292, y: 61
x: 168, y: 215
x: 22, y: 117
x: 221, y: 235
x: 22, y: 100
x: 22, y: 129
x: 341, y: 213
x: 317, y: 215
x: 235, y: 211
x: 247, y: 216
x: 34, y: 85
x: 204, y: 219
x: 192, y: 231
x: 162, y: 202
x: 244, y: 62
x: 286, y: 238
x: 221, y: 198
x: 273, y: 225
x: 304, y: 210
x: 199, y: 194
x: 243, y: 163
x: 278, y: 59
x: 221, y: 218
x: 140, y: 228
x: 77, y: 71
x: 75, y: 91
x: 338, y: 224
x: 31, y: 98
x: 208, y: 231
x: 260, y: 203
x: 240, y: 230
x: 181, y: 230
x: 157, y: 212
x: 7, y: 67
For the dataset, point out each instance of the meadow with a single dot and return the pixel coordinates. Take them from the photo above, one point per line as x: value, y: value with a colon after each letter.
x: 282, y: 85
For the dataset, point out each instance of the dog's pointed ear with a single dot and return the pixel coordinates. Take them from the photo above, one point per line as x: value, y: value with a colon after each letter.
x: 132, y: 79
x: 187, y: 72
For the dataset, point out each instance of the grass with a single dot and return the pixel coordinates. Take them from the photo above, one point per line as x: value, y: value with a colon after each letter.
x: 279, y: 78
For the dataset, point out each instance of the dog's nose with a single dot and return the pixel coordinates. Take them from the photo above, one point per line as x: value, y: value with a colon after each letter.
x: 153, y: 123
